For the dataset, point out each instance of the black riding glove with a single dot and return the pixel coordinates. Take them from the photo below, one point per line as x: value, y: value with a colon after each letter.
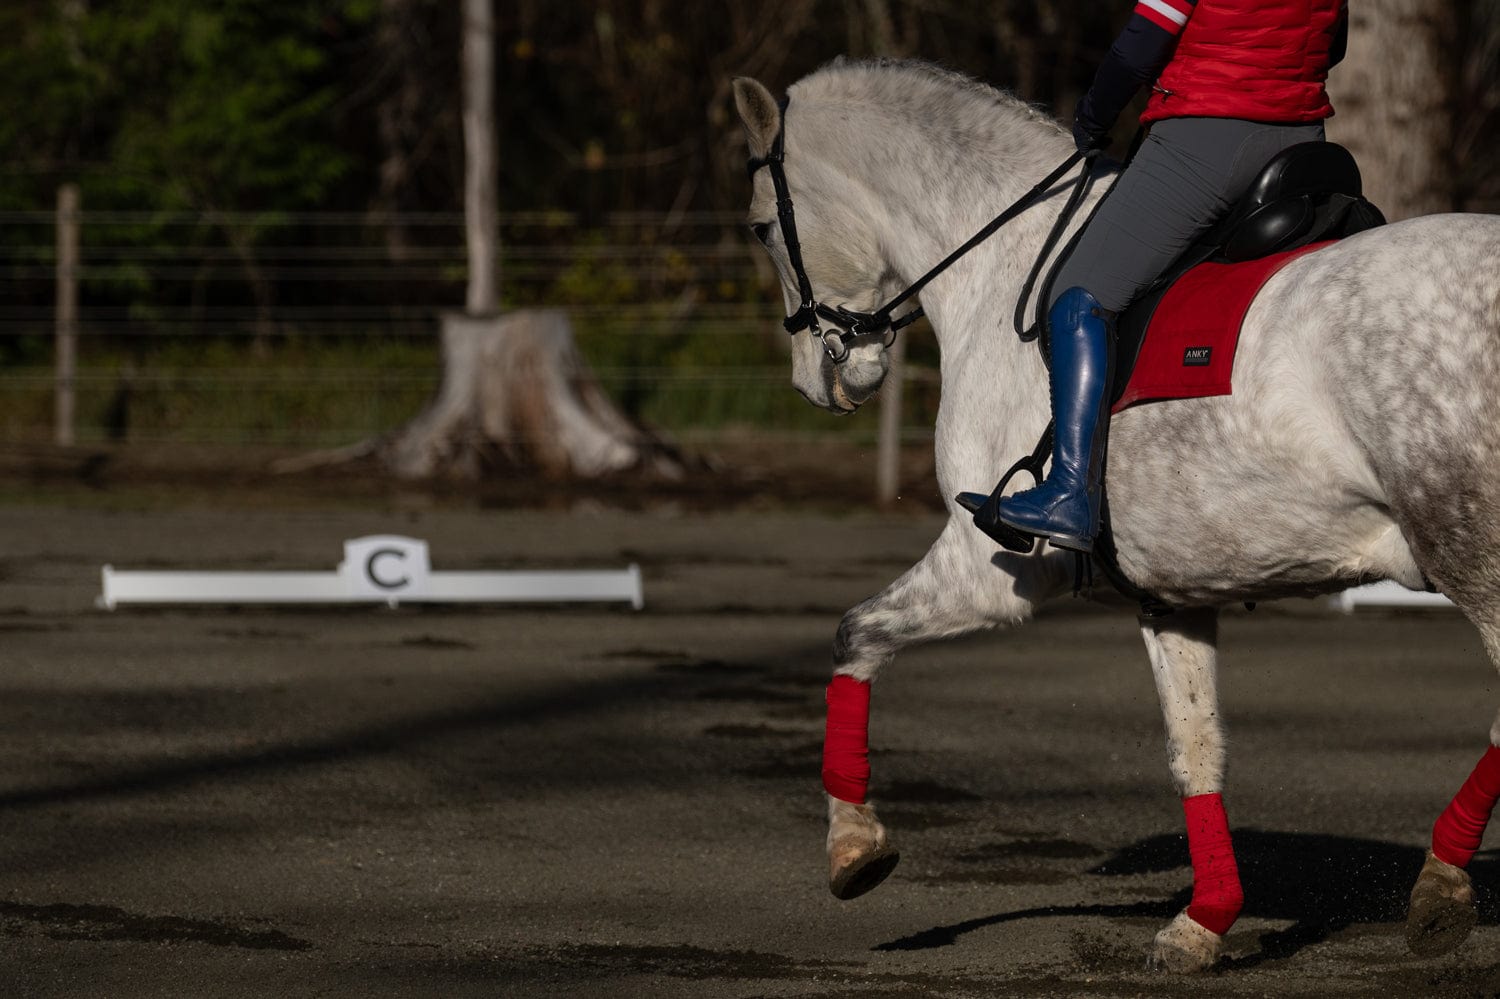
x: 1088, y: 135
x: 1134, y: 60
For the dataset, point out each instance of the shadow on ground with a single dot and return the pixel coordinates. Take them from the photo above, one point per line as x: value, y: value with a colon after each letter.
x: 1320, y: 884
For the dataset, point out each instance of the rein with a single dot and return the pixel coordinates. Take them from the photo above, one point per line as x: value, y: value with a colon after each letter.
x: 848, y: 325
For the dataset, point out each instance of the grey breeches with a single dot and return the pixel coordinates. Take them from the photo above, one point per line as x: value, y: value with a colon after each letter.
x: 1188, y: 173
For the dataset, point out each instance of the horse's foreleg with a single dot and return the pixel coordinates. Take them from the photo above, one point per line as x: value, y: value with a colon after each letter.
x: 1184, y: 652
x: 860, y: 855
x: 955, y: 589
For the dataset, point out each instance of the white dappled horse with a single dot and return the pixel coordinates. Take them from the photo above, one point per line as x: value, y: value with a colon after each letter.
x: 1361, y: 442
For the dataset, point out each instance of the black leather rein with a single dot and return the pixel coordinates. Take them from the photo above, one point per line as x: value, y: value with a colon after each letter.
x: 849, y: 325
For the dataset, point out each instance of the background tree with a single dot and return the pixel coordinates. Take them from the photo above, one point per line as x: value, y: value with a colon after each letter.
x: 169, y: 105
x: 240, y: 116
x: 1394, y: 97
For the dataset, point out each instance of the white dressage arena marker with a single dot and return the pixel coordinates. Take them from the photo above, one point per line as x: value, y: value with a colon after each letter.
x: 386, y: 569
x: 1388, y: 593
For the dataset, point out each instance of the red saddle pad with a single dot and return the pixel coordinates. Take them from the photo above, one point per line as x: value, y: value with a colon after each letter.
x: 1189, y: 348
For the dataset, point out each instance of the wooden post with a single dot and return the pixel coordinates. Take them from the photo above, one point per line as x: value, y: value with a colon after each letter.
x: 888, y: 450
x: 67, y: 312
x: 481, y: 157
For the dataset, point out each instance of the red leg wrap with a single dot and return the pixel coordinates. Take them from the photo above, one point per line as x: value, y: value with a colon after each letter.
x: 846, y: 741
x: 1459, y: 829
x: 1217, y: 897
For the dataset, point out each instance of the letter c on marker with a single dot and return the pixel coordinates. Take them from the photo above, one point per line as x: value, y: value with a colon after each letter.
x: 374, y: 577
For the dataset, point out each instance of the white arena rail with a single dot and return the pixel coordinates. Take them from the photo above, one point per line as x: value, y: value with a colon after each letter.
x: 386, y: 569
x: 1387, y: 593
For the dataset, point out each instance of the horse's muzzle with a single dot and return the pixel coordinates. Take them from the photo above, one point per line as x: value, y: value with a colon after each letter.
x: 842, y: 404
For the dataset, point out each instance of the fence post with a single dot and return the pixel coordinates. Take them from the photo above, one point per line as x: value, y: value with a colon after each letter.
x: 888, y: 450
x: 67, y: 312
x: 481, y: 157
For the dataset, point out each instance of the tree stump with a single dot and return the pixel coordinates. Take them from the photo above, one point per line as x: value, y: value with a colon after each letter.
x: 516, y: 391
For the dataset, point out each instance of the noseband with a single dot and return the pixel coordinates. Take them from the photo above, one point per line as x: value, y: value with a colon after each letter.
x: 848, y: 325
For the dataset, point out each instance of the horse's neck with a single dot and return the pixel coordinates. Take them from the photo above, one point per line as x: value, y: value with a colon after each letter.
x: 993, y: 383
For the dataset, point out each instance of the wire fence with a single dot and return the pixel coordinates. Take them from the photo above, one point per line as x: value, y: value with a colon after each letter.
x: 314, y: 329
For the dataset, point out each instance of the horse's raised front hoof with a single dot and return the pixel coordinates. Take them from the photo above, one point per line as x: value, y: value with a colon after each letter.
x: 860, y: 855
x: 1184, y: 946
x: 1442, y: 910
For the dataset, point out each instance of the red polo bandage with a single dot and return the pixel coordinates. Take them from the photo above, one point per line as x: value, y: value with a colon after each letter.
x: 1459, y: 829
x: 846, y: 740
x: 1217, y: 897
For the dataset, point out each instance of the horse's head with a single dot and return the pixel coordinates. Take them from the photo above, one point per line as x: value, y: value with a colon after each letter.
x: 840, y: 247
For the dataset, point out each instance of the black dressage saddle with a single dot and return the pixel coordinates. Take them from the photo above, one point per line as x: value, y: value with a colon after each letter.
x: 1307, y: 193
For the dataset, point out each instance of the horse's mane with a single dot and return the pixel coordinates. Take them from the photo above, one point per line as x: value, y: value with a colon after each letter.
x: 921, y: 90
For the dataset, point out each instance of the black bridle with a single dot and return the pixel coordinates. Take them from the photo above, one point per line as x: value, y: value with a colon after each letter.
x: 849, y: 325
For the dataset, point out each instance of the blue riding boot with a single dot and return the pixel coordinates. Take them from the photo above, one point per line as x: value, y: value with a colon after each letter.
x: 1064, y: 508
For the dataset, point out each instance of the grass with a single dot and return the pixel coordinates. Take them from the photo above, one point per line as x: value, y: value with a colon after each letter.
x: 305, y: 390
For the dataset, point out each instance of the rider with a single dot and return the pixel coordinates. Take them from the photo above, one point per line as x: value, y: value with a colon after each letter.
x: 1235, y: 83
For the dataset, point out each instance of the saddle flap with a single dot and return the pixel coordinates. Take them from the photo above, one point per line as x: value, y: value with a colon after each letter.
x: 1269, y: 228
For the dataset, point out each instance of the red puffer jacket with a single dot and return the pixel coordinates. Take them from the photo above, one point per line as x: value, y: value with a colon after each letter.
x: 1260, y: 60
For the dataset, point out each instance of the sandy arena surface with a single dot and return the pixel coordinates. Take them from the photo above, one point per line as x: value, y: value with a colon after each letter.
x: 587, y: 801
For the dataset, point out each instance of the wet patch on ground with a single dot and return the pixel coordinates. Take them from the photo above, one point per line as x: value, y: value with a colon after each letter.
x: 30, y: 627
x: 910, y: 806
x: 924, y: 792
x: 901, y: 819
x: 435, y: 642
x: 271, y: 634
x: 1014, y: 862
x: 664, y: 655
x: 749, y: 695
x: 749, y: 732
x: 800, y: 762
x: 806, y: 711
x: 692, y: 963
x: 709, y: 668
x: 683, y: 961
x: 810, y: 686
x: 996, y: 876
x: 171, y: 710
x: 64, y: 921
x: 1042, y: 849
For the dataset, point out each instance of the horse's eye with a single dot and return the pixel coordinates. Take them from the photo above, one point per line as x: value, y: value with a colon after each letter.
x: 762, y: 231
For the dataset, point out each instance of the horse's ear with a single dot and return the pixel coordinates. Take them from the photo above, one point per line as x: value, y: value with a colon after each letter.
x: 758, y: 113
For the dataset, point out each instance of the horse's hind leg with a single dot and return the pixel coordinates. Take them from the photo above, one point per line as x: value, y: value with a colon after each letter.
x: 1184, y: 655
x: 960, y: 585
x: 1442, y: 910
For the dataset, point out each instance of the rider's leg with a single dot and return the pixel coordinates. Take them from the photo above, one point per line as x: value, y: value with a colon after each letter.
x: 1188, y: 173
x: 1065, y: 507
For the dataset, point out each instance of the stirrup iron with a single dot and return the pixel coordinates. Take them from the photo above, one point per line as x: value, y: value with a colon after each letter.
x: 986, y: 509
